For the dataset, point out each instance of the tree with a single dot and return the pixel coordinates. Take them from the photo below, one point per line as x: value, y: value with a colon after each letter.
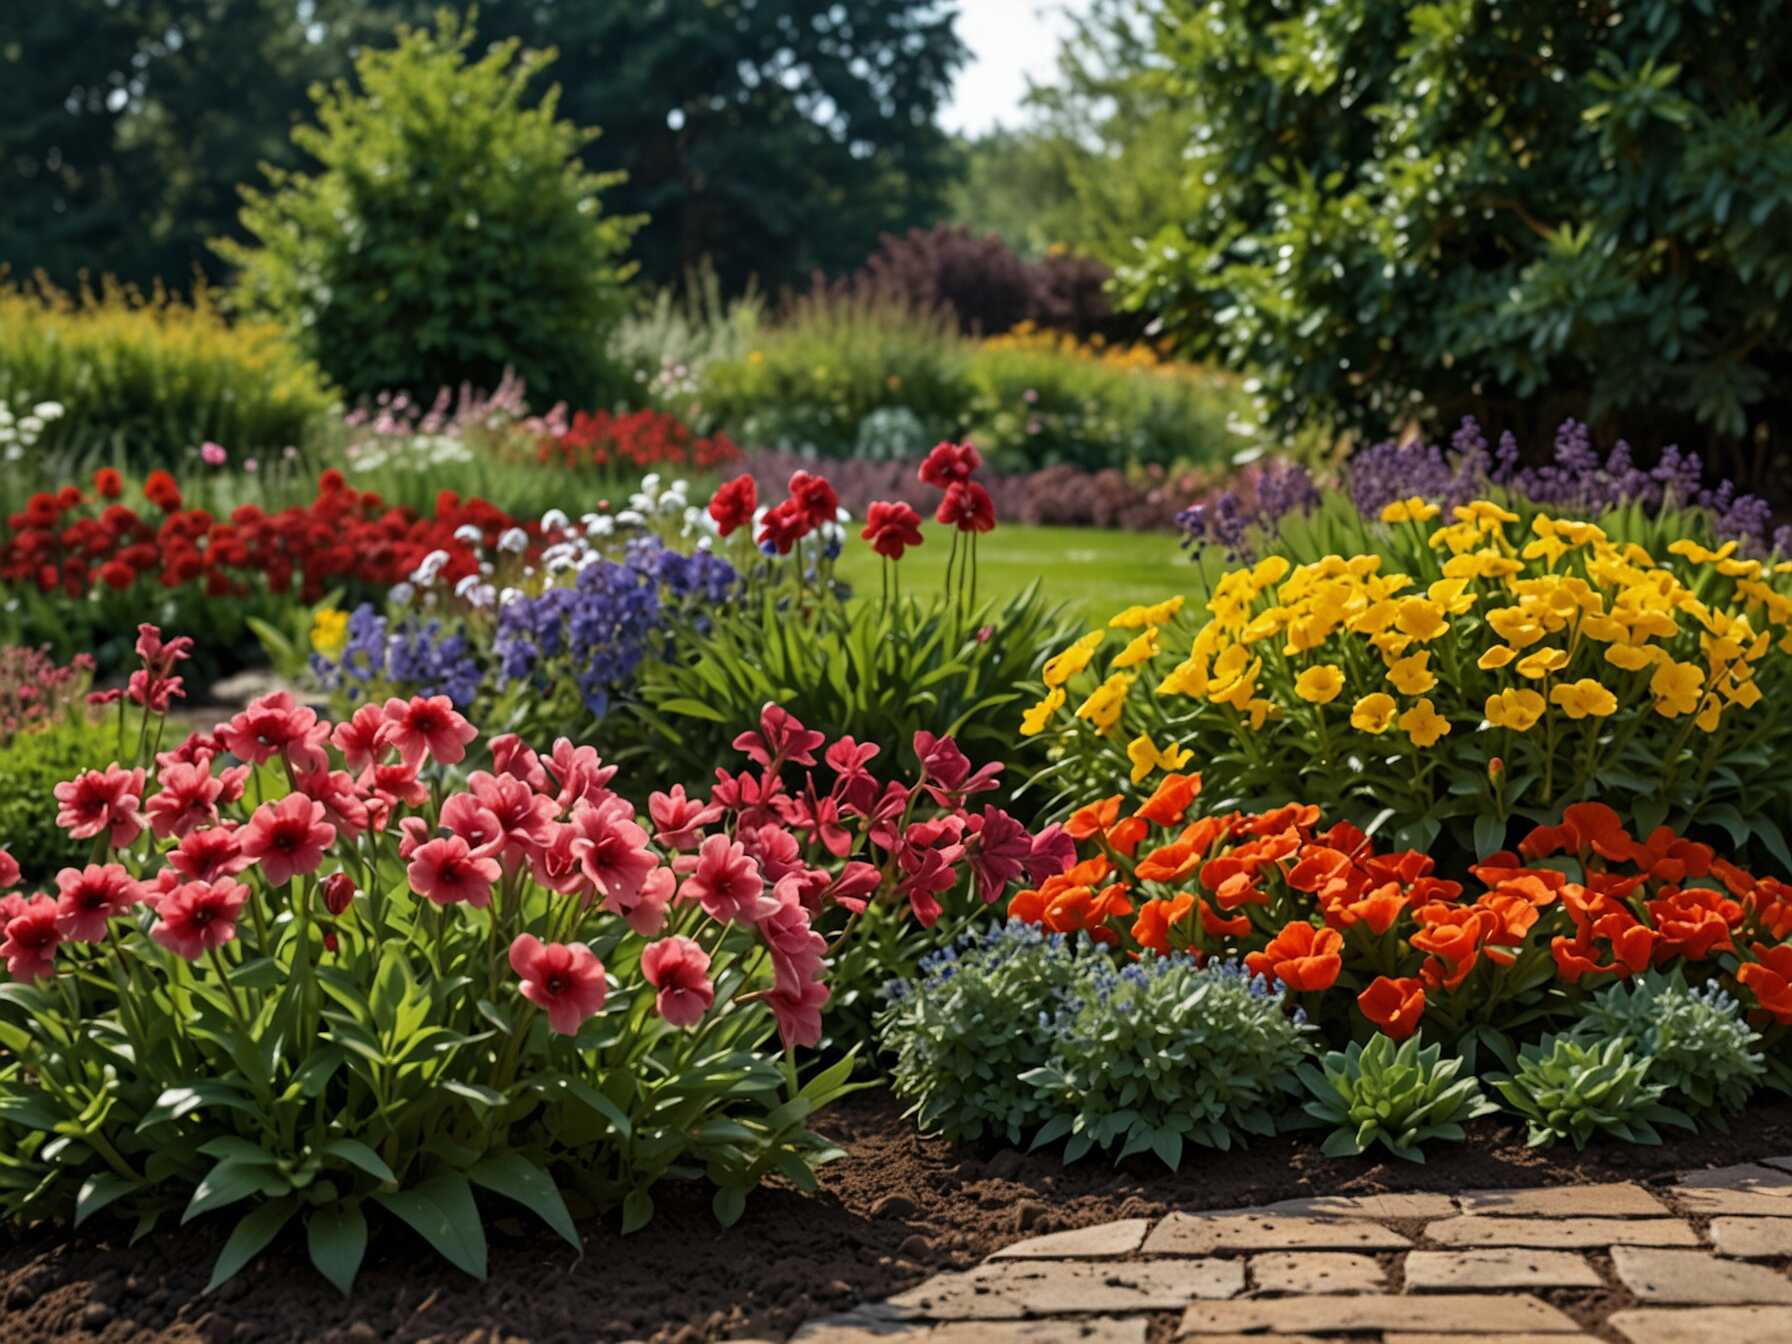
x: 1396, y: 208
x: 449, y: 232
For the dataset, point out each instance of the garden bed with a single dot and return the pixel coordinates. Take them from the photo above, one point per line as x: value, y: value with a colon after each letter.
x: 898, y: 1208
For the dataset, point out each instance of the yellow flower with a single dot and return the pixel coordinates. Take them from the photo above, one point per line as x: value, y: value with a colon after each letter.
x: 1421, y: 618
x: 329, y: 631
x: 1159, y: 614
x: 1034, y: 720
x: 1632, y: 657
x: 1676, y: 688
x: 1581, y: 698
x: 1423, y: 724
x: 1145, y: 757
x: 1142, y: 649
x: 1542, y: 663
x: 1103, y: 706
x: 1373, y: 713
x: 1062, y: 667
x: 1498, y: 656
x: 1319, y: 685
x: 1413, y: 510
x: 1412, y: 675
x: 1514, y: 709
x: 1189, y: 677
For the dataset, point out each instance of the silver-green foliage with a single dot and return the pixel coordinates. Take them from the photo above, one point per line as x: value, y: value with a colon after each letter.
x: 1567, y: 1089
x: 1697, y: 1045
x: 1396, y: 1095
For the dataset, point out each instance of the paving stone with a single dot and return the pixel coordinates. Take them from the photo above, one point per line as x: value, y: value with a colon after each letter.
x: 1478, y: 1271
x: 1751, y: 1176
x: 1433, y: 1337
x: 1752, y: 1238
x: 1561, y: 1233
x: 1783, y: 1163
x: 1702, y: 1325
x: 1384, y: 1206
x: 1516, y: 1313
x: 1756, y: 1203
x: 1009, y: 1289
x: 1107, y: 1241
x: 861, y: 1326
x: 1201, y: 1234
x: 1618, y: 1200
x: 1112, y: 1330
x: 1656, y: 1275
x: 1316, y: 1272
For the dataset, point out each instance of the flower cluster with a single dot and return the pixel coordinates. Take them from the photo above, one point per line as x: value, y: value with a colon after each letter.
x: 1580, y: 905
x: 35, y: 690
x: 1255, y: 503
x: 361, y: 654
x: 642, y: 439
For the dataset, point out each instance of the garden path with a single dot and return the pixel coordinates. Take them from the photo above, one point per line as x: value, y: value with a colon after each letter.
x: 1703, y: 1257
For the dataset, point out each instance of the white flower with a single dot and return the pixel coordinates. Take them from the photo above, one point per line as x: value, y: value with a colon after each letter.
x: 599, y: 525
x: 431, y: 566
x: 650, y: 483
x: 515, y: 540
x: 468, y: 535
x: 48, y: 410
x: 31, y: 425
x: 630, y: 518
x: 401, y: 594
x: 842, y: 516
x: 553, y: 520
x: 509, y: 595
x: 466, y: 585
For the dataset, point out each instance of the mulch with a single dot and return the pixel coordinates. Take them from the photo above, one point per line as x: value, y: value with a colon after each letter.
x: 897, y: 1210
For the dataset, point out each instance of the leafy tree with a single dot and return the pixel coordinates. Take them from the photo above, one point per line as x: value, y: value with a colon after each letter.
x: 449, y: 233
x: 1395, y: 207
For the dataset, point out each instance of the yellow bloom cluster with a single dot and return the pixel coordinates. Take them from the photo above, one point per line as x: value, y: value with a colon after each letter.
x: 1506, y: 627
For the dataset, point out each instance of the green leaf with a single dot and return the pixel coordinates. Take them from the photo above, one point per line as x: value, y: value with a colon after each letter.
x: 637, y: 1211
x: 443, y: 1213
x: 729, y: 1203
x: 176, y: 1102
x: 337, y: 1237
x: 226, y: 1183
x: 358, y: 1154
x: 515, y: 1177
x: 97, y: 1191
x: 252, y: 1235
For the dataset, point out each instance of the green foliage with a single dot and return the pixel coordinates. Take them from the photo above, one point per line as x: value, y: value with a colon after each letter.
x: 32, y: 764
x: 449, y: 233
x: 1543, y: 202
x: 1399, y: 1096
x: 1568, y: 1090
x: 1167, y: 1052
x: 144, y: 380
x: 964, y: 1034
x: 1698, y: 1045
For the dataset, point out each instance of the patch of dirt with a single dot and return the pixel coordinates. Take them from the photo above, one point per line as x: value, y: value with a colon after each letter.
x: 898, y: 1209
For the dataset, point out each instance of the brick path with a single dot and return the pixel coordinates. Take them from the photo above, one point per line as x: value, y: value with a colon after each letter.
x: 1706, y: 1258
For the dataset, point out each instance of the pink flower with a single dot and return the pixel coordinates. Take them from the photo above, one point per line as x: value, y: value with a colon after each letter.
x: 277, y: 725
x: 948, y: 770
x: 679, y: 969
x: 464, y: 816
x: 32, y: 935
x: 780, y: 737
x: 613, y: 851
x: 1052, y: 852
x: 152, y: 692
x: 565, y: 979
x: 287, y: 838
x: 648, y: 916
x: 446, y: 871
x: 525, y: 817
x: 857, y: 882
x: 556, y: 865
x: 581, y: 773
x: 102, y: 801
x: 726, y: 882
x: 89, y: 897
x: 798, y: 1013
x: 199, y: 916
x: 364, y: 739
x: 512, y: 756
x: 1000, y: 853
x: 213, y: 454
x: 949, y: 463
x: 206, y: 856
x: 926, y: 873
x: 9, y: 870
x: 158, y: 657
x: 429, y: 726
x: 188, y: 800
x: 343, y: 807
x: 680, y: 819
x: 798, y: 952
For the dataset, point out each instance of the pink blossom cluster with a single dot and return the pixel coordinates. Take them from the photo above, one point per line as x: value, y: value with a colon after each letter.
x: 34, y: 689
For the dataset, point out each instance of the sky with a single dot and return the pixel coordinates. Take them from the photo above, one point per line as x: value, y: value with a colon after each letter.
x: 1009, y: 40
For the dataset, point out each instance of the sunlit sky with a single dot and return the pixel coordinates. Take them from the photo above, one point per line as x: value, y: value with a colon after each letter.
x: 1009, y: 40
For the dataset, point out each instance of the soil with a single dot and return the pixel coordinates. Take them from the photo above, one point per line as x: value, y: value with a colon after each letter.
x: 898, y: 1209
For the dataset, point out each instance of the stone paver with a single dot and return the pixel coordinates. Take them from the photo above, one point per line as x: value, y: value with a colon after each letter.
x: 1702, y: 1325
x: 1561, y: 1233
x: 1621, y: 1200
x: 1008, y: 1289
x: 1657, y: 1275
x: 1386, y: 1207
x: 1751, y: 1176
x: 1783, y: 1163
x: 1127, y: 1330
x: 1752, y: 1203
x: 1108, y: 1241
x: 1316, y: 1272
x: 1480, y: 1270
x: 1433, y: 1337
x: 1202, y: 1234
x: 1507, y: 1312
x: 1752, y: 1238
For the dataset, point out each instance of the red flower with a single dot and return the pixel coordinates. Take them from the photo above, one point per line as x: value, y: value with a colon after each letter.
x: 33, y: 932
x: 89, y: 897
x: 782, y: 527
x: 1301, y: 957
x: 733, y: 504
x: 950, y: 463
x: 161, y: 491
x: 107, y: 483
x: 287, y: 837
x: 968, y: 507
x: 428, y: 726
x: 679, y: 969
x: 447, y: 871
x: 198, y: 916
x: 815, y: 497
x: 1393, y: 1005
x: 1769, y: 979
x: 891, y: 527
x: 565, y: 979
x: 104, y: 802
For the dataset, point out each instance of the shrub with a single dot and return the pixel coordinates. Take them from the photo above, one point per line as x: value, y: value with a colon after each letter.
x: 1566, y: 1090
x: 1695, y: 1040
x: 1396, y: 1095
x: 145, y: 380
x: 1166, y: 1052
x: 449, y: 233
x: 1466, y: 234
x: 977, y: 1019
x: 32, y: 764
x: 35, y: 692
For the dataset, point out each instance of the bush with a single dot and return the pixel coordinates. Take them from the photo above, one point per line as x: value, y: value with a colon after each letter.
x: 32, y: 764
x: 143, y: 381
x: 1397, y: 1096
x: 1461, y: 232
x: 1566, y: 1090
x: 449, y: 234
x: 1695, y: 1040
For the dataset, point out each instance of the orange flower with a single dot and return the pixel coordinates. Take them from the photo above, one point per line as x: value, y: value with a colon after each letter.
x: 1068, y: 909
x: 1089, y: 872
x: 1300, y: 817
x: 1693, y: 922
x: 1585, y: 826
x: 1326, y: 873
x: 1405, y: 868
x: 1169, y: 863
x: 1301, y: 957
x: 1513, y: 912
x: 1393, y: 1005
x: 1769, y: 979
x: 1343, y: 835
x: 1665, y: 857
x: 1152, y: 928
x: 1124, y: 836
x: 1575, y: 956
x: 1773, y: 907
x: 1216, y: 927
x: 1239, y: 889
x: 1111, y: 903
x: 1453, y: 936
x: 1027, y: 906
x: 1632, y: 941
x: 1171, y: 800
x: 1378, y: 911
x: 1093, y: 817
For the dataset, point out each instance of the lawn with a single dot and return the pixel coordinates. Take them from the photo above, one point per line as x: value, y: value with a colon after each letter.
x: 1093, y: 571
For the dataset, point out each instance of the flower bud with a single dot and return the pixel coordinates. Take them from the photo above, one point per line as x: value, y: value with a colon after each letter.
x: 1495, y: 768
x: 339, y: 890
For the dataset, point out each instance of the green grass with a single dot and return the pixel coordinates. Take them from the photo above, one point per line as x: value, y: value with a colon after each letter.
x: 1093, y: 571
